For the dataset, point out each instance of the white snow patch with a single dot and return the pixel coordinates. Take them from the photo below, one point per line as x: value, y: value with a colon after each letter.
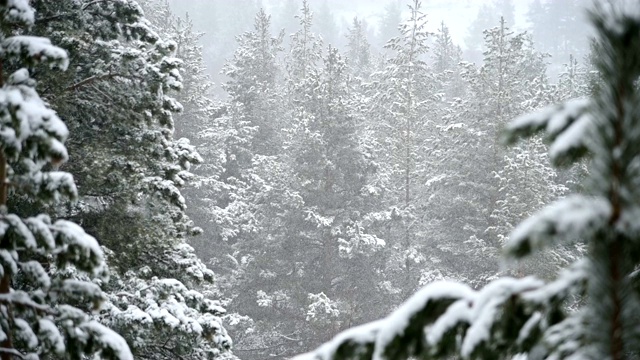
x: 20, y: 11
x: 395, y: 323
x: 576, y: 136
x: 486, y: 305
x: 35, y: 47
x: 572, y: 217
x: 571, y: 109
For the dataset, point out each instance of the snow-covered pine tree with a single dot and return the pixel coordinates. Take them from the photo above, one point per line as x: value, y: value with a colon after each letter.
x: 358, y: 50
x: 447, y: 57
x: 41, y: 316
x: 118, y: 104
x: 196, y: 93
x: 235, y: 184
x: 402, y: 90
x: 526, y: 316
x: 311, y: 236
x: 524, y: 177
x: 446, y: 54
x: 198, y: 109
x: 399, y: 115
x: 490, y: 190
x: 239, y: 143
x: 571, y: 82
x: 305, y: 51
x: 254, y: 74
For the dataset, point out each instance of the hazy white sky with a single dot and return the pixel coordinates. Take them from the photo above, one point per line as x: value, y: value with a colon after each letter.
x: 457, y: 14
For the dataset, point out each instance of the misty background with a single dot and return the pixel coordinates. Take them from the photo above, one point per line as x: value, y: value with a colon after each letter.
x: 220, y: 21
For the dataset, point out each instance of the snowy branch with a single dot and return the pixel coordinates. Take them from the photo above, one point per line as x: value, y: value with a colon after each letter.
x: 12, y: 352
x: 24, y: 301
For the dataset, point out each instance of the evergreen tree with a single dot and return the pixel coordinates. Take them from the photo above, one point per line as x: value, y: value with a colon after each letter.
x: 510, y: 81
x: 253, y: 77
x: 331, y: 171
x: 402, y: 96
x: 305, y: 51
x: 117, y: 101
x: 571, y: 82
x: 237, y: 139
x: 404, y: 78
x: 446, y: 55
x: 358, y: 50
x: 488, y: 15
x: 309, y: 202
x: 236, y: 183
x: 446, y: 64
x: 42, y: 315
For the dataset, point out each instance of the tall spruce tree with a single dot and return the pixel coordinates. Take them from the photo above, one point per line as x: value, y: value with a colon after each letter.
x: 493, y: 190
x: 402, y: 94
x: 299, y: 265
x: 118, y: 103
x: 447, y: 57
x: 359, y: 50
x: 41, y: 316
x: 253, y: 74
x: 488, y: 14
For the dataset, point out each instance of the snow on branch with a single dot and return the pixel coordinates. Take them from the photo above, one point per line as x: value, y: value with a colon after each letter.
x: 571, y: 218
x: 34, y: 50
x: 28, y: 124
x: 446, y: 318
x: 112, y: 345
x: 566, y: 126
x: 19, y: 12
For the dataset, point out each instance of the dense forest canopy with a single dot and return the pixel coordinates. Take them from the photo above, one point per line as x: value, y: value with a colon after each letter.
x: 257, y: 179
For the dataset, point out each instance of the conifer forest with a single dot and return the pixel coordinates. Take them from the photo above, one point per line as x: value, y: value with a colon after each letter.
x: 319, y: 179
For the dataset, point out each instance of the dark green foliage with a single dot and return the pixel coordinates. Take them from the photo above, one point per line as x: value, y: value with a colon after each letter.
x: 42, y: 315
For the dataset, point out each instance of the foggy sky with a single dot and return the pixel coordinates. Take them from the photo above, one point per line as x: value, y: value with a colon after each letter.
x: 456, y: 14
x: 220, y: 22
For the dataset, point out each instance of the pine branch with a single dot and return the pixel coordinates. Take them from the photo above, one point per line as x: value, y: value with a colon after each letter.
x: 89, y: 80
x: 10, y: 353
